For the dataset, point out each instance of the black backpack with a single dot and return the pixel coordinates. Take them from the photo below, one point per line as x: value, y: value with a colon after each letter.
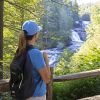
x: 21, y: 79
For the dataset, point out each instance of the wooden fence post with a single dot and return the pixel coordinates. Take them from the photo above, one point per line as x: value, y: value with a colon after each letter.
x: 49, y: 87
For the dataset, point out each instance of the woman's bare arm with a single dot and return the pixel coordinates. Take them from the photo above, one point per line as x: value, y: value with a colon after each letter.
x: 45, y: 72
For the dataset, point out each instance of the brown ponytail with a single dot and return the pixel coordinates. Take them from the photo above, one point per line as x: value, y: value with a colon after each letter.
x: 22, y: 44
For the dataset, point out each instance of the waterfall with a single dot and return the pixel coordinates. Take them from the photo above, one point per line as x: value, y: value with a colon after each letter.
x: 55, y: 53
x: 75, y: 37
x: 85, y: 24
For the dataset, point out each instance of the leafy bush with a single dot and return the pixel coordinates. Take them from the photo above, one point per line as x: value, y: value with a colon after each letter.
x: 73, y: 90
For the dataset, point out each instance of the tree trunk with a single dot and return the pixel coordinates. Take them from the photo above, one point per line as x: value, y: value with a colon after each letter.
x: 1, y: 38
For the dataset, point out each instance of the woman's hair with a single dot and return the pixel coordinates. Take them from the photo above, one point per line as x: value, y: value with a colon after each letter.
x: 23, y: 43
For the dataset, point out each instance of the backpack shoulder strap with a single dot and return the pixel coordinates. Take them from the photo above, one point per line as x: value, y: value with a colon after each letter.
x: 29, y: 47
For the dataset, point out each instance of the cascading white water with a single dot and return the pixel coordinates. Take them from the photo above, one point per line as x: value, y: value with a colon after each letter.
x: 75, y: 37
x: 53, y: 55
x: 85, y: 24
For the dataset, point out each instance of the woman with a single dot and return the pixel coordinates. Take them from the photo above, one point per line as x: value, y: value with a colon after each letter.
x: 39, y: 61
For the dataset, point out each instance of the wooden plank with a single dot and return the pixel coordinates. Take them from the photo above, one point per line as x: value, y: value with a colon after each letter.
x: 4, y: 85
x: 97, y: 97
x: 76, y: 76
x: 49, y: 87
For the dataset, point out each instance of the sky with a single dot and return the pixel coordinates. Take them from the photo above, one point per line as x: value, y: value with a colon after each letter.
x: 86, y: 1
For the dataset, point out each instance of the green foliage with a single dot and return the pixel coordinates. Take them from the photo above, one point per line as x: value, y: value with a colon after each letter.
x: 94, y: 28
x: 63, y: 66
x: 87, y: 58
x: 15, y: 13
x: 89, y: 55
x: 10, y: 43
x: 84, y: 9
x: 6, y: 96
x: 73, y: 90
x: 95, y: 15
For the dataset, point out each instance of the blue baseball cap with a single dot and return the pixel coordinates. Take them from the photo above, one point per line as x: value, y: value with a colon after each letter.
x: 31, y: 27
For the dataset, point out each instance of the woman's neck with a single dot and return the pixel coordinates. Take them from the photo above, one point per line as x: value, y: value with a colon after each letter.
x: 31, y: 42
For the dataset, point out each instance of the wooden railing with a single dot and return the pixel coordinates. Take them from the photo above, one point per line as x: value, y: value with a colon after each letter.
x: 4, y: 87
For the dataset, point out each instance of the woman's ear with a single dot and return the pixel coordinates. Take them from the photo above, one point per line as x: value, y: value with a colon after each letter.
x: 34, y: 36
x: 37, y: 35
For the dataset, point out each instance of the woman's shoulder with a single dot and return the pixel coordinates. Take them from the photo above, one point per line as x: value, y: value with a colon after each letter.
x: 34, y: 51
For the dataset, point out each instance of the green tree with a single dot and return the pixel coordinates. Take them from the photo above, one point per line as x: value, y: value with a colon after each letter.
x: 75, y: 10
x: 57, y: 21
x: 15, y: 13
x: 94, y: 28
x: 1, y: 37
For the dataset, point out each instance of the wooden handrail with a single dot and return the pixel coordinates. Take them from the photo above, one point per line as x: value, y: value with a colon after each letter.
x: 4, y: 84
x: 76, y: 76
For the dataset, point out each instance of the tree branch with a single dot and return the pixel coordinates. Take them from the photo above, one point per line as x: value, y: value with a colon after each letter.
x: 14, y: 4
